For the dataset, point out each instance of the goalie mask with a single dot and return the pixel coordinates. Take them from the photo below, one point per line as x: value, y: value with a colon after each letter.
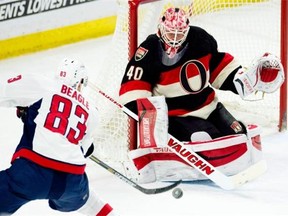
x: 173, y: 29
x: 73, y: 73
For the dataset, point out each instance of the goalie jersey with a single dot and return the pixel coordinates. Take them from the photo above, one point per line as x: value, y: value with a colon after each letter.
x: 185, y: 80
x: 58, y: 127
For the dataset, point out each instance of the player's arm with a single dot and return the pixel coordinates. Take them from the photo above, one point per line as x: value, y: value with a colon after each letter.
x: 266, y: 73
x: 222, y: 67
x: 20, y: 89
x: 139, y: 76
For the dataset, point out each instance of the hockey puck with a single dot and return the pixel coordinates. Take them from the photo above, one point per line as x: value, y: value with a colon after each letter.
x: 177, y: 193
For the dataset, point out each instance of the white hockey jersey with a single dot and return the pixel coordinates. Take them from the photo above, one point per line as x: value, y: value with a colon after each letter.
x: 60, y: 121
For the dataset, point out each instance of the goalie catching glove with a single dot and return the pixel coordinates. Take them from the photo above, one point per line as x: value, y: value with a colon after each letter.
x: 266, y: 74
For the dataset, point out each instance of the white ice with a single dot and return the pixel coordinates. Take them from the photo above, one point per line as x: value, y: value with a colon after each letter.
x: 267, y: 195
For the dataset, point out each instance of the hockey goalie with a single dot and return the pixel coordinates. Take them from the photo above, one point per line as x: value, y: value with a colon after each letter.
x: 170, y: 82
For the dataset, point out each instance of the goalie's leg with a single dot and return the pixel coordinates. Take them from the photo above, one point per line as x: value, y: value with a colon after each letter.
x: 184, y: 128
x: 219, y: 123
x: 223, y: 120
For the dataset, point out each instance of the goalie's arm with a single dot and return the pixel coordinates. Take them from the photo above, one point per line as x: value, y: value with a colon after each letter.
x: 228, y: 84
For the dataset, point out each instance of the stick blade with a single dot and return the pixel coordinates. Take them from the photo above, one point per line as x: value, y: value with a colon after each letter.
x: 250, y: 173
x: 161, y: 189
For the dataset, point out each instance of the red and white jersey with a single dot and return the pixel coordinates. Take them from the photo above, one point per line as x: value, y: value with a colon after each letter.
x: 59, y: 124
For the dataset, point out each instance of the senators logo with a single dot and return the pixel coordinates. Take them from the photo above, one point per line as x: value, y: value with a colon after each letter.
x: 140, y: 53
x: 194, y: 69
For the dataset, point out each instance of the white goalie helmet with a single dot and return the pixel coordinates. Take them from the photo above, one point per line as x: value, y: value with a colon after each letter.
x: 73, y: 73
x: 174, y: 27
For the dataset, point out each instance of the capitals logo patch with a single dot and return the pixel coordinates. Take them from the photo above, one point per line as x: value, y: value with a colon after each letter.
x: 140, y: 53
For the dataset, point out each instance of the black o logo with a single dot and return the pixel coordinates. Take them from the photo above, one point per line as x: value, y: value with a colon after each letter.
x: 198, y: 69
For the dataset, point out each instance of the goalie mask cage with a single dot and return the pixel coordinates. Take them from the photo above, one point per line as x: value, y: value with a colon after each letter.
x: 244, y: 28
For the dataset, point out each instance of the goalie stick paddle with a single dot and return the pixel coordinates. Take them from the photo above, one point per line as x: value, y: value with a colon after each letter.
x: 132, y: 183
x: 195, y: 160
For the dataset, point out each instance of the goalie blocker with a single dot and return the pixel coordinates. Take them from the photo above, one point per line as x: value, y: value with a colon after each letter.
x: 230, y: 154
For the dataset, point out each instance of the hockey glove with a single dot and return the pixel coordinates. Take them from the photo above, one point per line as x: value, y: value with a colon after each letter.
x: 266, y: 74
x: 270, y: 72
x: 89, y: 151
x: 21, y: 112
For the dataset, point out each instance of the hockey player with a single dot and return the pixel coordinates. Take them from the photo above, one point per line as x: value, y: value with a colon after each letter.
x: 49, y: 161
x: 183, y: 64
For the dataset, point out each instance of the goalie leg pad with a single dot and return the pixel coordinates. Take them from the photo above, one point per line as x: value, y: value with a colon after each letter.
x: 141, y: 159
x: 231, y: 154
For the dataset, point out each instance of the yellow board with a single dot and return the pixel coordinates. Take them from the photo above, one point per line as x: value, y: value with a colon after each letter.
x: 56, y: 37
x: 216, y: 5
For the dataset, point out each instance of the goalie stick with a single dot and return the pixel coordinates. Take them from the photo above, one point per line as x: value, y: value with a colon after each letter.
x: 195, y: 160
x: 130, y: 182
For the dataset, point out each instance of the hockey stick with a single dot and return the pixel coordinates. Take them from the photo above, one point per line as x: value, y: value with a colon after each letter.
x: 196, y: 161
x: 130, y: 182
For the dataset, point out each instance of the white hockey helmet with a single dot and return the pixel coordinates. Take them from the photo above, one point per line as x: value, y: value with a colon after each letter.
x: 73, y: 73
x: 174, y: 27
